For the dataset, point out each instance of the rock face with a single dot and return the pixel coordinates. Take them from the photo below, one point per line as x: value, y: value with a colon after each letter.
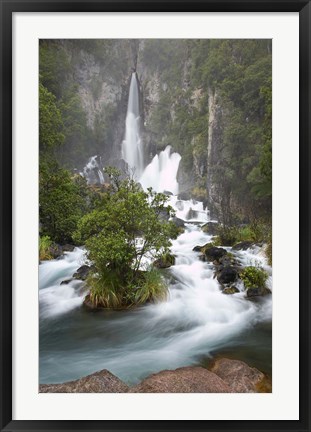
x: 238, y: 375
x: 182, y: 380
x: 98, y: 382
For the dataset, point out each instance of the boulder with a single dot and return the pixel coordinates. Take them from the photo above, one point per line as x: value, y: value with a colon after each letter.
x: 230, y: 290
x: 55, y: 250
x: 227, y: 275
x: 178, y: 222
x: 240, y: 377
x: 182, y: 380
x: 66, y: 281
x: 67, y: 247
x: 214, y: 253
x: 82, y: 272
x: 210, y: 228
x: 257, y: 291
x: 198, y: 248
x: 98, y: 382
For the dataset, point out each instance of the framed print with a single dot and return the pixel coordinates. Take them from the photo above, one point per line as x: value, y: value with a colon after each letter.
x: 155, y: 215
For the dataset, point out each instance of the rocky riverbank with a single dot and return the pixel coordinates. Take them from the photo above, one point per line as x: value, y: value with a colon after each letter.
x: 224, y: 376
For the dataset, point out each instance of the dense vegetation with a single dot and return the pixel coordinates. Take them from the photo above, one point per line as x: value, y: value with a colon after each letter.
x: 125, y: 229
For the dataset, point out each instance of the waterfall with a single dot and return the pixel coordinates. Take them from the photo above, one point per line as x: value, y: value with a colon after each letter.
x: 132, y: 151
x: 92, y: 171
x: 161, y: 173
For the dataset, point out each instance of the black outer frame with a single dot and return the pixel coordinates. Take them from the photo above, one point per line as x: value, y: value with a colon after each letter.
x: 7, y: 8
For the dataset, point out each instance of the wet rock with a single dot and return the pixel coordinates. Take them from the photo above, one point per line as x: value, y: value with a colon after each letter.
x: 210, y: 228
x: 182, y: 380
x: 198, y: 248
x: 227, y: 275
x: 240, y: 377
x: 230, y: 290
x: 82, y: 272
x: 214, y: 253
x: 257, y: 291
x: 178, y: 222
x: 98, y: 382
x: 243, y: 245
x: 66, y: 281
x: 68, y: 247
x: 55, y: 250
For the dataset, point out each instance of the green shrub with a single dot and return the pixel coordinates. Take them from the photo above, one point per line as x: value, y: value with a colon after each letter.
x: 44, y: 248
x: 228, y: 235
x: 108, y: 290
x: 254, y: 277
x: 152, y: 288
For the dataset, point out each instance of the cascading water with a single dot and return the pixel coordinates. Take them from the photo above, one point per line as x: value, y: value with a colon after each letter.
x: 161, y: 173
x: 195, y: 322
x: 132, y: 151
x: 92, y: 171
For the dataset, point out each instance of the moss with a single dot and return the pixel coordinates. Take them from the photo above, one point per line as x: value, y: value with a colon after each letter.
x: 254, y: 277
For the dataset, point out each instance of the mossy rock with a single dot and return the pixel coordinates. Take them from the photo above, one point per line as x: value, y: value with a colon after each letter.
x: 257, y: 291
x: 230, y: 290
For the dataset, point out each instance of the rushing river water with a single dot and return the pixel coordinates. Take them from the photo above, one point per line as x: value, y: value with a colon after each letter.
x: 196, y: 323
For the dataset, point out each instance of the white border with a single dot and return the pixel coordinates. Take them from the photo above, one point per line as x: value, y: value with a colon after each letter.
x: 283, y: 402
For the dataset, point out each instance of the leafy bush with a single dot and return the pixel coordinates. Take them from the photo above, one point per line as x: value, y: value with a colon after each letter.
x: 61, y: 202
x: 228, y: 235
x: 152, y: 288
x: 44, y: 248
x: 118, y: 235
x: 254, y: 277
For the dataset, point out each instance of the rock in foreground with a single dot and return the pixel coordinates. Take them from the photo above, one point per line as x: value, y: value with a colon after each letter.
x: 98, y: 382
x: 182, y: 380
x: 240, y: 377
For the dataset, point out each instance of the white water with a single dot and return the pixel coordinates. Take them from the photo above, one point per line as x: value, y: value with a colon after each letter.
x: 92, y: 171
x: 196, y: 320
x: 132, y: 151
x: 161, y: 173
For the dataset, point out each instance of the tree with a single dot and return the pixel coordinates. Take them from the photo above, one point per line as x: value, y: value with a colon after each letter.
x: 50, y: 121
x: 127, y: 230
x: 61, y: 202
